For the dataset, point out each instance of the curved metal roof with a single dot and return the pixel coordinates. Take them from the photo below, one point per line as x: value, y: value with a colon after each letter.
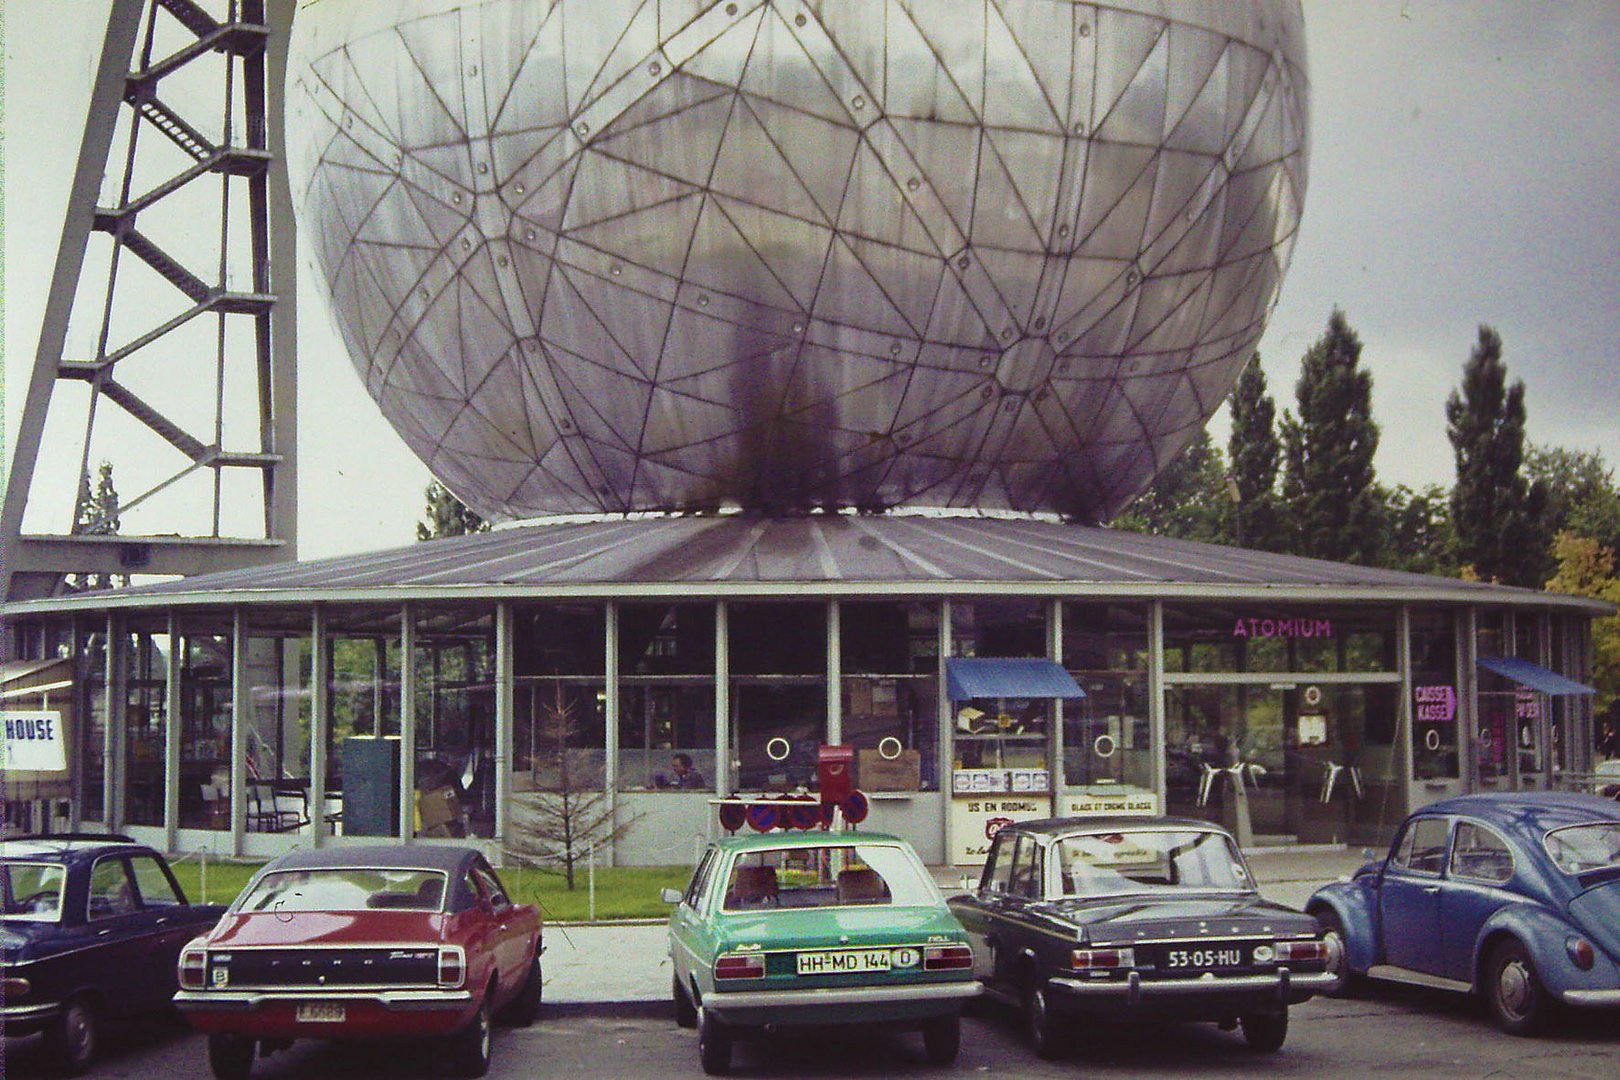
x: 831, y: 555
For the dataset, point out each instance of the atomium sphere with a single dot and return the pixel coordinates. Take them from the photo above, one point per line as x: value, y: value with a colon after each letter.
x: 612, y: 255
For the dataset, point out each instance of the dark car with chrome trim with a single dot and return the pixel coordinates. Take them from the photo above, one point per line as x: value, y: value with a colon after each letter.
x: 1133, y: 917
x: 364, y: 941
x: 90, y: 928
x: 1514, y: 896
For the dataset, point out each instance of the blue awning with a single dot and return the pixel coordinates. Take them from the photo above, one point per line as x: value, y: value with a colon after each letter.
x: 1534, y: 676
x: 985, y: 677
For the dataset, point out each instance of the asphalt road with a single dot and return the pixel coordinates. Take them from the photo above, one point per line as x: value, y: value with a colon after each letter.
x: 1392, y: 1032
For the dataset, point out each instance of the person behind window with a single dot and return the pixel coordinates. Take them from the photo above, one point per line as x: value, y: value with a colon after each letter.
x: 685, y: 774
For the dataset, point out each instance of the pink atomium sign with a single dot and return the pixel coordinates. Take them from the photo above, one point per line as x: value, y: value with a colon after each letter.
x: 1283, y: 628
x: 1435, y: 704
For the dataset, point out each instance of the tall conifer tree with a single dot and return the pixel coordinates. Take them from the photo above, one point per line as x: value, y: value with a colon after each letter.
x: 1496, y: 511
x: 1329, y: 482
x: 447, y: 515
x: 1187, y: 499
x: 1255, y: 455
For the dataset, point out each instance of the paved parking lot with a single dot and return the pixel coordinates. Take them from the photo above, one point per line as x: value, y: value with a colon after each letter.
x: 1396, y: 1032
x: 608, y: 1015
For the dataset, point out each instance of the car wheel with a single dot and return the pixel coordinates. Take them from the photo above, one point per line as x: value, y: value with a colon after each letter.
x: 1518, y: 1002
x: 1346, y: 983
x: 1040, y: 1024
x: 714, y: 1043
x: 685, y: 1011
x: 1265, y: 1032
x: 73, y: 1040
x: 524, y: 1009
x: 942, y: 1039
x: 470, y: 1047
x: 230, y: 1057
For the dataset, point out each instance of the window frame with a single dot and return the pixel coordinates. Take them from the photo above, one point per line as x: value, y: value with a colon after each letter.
x: 90, y: 894
x: 1400, y: 860
x: 1456, y: 838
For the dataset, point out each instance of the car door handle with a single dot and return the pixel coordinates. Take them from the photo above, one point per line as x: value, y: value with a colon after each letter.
x: 1431, y: 890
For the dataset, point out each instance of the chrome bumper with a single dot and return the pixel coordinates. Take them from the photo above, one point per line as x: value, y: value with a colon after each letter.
x: 250, y: 1000
x: 1597, y: 998
x: 1133, y: 989
x: 11, y: 1014
x: 725, y: 1001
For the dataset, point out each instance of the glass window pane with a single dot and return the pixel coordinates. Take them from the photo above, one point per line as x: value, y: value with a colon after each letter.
x: 156, y: 888
x: 111, y: 892
x: 455, y: 721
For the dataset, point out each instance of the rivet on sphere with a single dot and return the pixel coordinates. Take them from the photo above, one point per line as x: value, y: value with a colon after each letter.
x: 655, y: 68
x: 858, y: 101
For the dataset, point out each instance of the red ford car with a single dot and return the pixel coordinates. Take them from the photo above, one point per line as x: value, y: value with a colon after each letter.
x: 356, y: 942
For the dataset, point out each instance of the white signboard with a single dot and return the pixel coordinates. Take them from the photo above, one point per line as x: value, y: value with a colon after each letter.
x: 1097, y: 802
x: 975, y: 822
x: 33, y: 741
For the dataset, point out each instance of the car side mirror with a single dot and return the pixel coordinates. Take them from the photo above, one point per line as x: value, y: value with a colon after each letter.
x: 1368, y: 854
x: 670, y: 896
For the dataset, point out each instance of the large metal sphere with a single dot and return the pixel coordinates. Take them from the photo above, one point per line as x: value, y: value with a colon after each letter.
x: 605, y: 255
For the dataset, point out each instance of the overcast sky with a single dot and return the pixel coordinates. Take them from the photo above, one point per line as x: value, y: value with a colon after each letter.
x: 1465, y: 169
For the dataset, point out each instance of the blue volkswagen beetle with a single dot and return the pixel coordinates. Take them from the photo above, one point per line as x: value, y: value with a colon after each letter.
x: 1515, y: 896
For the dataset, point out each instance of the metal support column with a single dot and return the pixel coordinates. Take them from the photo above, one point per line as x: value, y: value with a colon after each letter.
x: 723, y: 764
x: 835, y: 675
x: 320, y: 721
x: 1158, y: 732
x: 1054, y: 756
x: 946, y: 745
x: 610, y: 725
x: 407, y: 723
x: 117, y: 711
x: 504, y: 706
x: 241, y: 717
x: 172, y: 731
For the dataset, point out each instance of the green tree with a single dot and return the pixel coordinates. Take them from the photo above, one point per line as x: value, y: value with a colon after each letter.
x: 447, y: 515
x: 1582, y: 497
x: 1188, y: 500
x: 1586, y: 568
x: 1421, y: 538
x: 1329, y: 483
x: 95, y: 513
x: 1497, y: 512
x: 1255, y: 454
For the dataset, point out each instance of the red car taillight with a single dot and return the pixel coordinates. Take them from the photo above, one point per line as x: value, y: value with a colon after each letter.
x: 193, y: 969
x: 452, y: 966
x: 740, y: 966
x: 15, y: 989
x: 1289, y: 952
x: 947, y: 957
x: 1093, y: 959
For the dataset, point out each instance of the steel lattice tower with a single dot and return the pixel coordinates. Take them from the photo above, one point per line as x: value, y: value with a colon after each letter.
x: 234, y: 261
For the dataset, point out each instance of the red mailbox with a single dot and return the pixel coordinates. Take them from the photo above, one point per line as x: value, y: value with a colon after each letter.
x: 836, y: 766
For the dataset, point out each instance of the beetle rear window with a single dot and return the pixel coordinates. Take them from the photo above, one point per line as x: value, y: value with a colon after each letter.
x: 32, y: 891
x: 349, y: 889
x: 836, y: 875
x: 1581, y: 849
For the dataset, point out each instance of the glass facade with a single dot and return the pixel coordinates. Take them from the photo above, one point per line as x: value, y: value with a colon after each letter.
x: 778, y: 654
x: 1106, y: 735
x: 456, y: 755
x: 889, y: 664
x: 1278, y: 755
x: 666, y: 697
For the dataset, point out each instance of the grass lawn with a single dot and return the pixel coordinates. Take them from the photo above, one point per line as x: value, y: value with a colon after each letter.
x: 622, y: 892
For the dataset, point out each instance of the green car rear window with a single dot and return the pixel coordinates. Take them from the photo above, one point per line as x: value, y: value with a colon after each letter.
x: 833, y: 875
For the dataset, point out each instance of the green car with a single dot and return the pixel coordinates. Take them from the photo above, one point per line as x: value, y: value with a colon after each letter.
x: 785, y: 929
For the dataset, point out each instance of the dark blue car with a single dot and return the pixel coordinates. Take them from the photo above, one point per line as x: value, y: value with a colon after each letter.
x: 90, y: 930
x: 1513, y: 896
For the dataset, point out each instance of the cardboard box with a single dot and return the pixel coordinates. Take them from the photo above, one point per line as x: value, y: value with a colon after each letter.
x: 903, y: 773
x: 436, y: 808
